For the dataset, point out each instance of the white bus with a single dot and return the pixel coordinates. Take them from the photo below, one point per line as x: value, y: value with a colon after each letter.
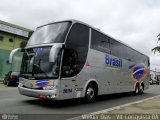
x: 70, y: 59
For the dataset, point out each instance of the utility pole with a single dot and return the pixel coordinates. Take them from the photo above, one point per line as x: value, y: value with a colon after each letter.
x: 155, y: 75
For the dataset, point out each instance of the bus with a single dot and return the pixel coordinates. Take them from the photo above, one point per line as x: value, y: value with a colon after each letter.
x: 71, y: 59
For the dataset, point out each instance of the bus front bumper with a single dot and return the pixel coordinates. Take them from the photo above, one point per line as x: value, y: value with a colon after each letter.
x: 44, y: 94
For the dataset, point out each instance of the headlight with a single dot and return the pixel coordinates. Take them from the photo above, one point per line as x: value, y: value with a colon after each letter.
x: 49, y: 87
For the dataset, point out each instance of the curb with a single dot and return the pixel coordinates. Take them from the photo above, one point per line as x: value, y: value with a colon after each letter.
x: 124, y: 105
x: 115, y: 108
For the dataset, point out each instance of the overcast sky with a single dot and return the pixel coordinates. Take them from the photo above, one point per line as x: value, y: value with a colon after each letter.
x: 135, y: 22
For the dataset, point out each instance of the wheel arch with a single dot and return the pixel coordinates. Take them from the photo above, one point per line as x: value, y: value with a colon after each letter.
x: 137, y: 83
x: 91, y: 81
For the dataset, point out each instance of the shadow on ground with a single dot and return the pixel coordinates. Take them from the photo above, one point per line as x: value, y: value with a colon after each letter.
x: 79, y: 102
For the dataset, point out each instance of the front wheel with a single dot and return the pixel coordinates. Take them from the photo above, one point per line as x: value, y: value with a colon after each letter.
x: 90, y: 94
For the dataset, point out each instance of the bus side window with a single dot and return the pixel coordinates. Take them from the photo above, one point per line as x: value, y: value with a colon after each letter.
x: 69, y: 68
x: 100, y: 42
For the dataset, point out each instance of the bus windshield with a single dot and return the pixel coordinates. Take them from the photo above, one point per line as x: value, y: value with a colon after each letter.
x: 51, y: 33
x: 35, y: 64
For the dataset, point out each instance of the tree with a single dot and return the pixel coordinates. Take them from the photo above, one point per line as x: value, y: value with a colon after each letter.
x: 157, y: 48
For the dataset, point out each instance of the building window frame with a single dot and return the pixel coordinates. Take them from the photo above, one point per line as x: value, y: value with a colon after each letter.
x: 10, y: 39
x: 1, y: 38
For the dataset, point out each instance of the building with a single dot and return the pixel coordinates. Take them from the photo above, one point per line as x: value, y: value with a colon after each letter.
x: 11, y: 36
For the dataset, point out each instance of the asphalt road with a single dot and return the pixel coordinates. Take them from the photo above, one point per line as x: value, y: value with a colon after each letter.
x: 12, y: 103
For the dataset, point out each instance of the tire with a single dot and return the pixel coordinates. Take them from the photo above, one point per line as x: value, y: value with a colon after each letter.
x: 90, y: 94
x: 141, y: 89
x: 8, y: 83
x: 137, y: 89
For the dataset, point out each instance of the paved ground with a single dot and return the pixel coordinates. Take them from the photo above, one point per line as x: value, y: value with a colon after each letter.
x: 11, y: 102
x: 146, y: 109
x: 151, y: 106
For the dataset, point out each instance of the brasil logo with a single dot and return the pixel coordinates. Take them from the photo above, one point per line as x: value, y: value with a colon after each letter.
x: 42, y: 83
x: 138, y: 71
x: 113, y: 61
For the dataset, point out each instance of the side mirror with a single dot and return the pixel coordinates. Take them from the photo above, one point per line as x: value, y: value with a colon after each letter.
x: 12, y: 54
x: 53, y: 52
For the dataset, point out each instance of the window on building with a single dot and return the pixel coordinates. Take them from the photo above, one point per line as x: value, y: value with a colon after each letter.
x: 1, y: 38
x: 10, y: 40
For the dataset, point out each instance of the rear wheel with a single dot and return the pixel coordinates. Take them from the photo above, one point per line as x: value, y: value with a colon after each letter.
x: 141, y: 89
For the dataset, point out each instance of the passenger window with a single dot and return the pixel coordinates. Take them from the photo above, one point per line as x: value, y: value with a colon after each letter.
x: 118, y: 49
x: 100, y: 42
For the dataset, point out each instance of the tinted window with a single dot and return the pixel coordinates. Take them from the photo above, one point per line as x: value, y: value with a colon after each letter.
x: 100, y: 42
x: 118, y: 49
x: 76, y: 50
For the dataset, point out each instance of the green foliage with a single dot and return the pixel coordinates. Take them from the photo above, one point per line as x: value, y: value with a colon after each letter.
x: 157, y: 48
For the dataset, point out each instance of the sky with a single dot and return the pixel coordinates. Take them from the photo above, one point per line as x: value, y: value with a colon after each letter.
x: 134, y: 22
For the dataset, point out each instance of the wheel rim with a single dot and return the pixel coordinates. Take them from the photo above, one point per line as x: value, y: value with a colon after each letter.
x: 137, y: 90
x: 90, y: 93
x: 142, y: 89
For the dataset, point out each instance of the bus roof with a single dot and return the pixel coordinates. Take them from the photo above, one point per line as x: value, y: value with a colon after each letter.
x: 73, y: 21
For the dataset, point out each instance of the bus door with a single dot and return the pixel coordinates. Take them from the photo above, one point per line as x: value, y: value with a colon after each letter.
x: 67, y: 88
x: 68, y: 74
